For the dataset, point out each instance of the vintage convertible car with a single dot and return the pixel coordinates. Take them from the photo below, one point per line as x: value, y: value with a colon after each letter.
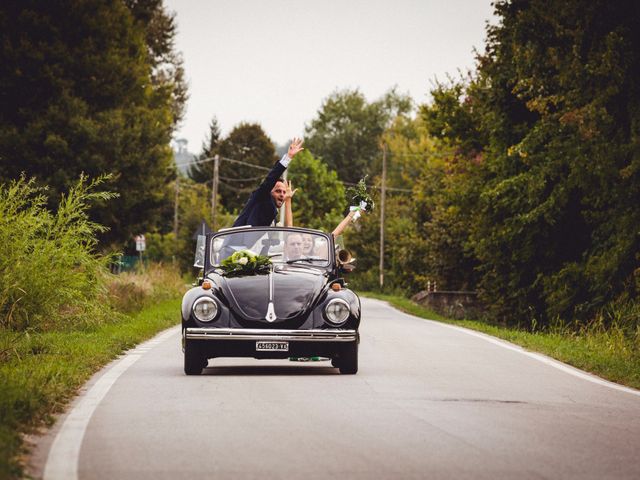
x: 269, y: 292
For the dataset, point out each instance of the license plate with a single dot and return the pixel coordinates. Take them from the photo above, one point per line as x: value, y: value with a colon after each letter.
x: 272, y: 346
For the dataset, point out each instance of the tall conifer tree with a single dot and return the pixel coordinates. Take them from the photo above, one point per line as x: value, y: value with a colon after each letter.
x: 85, y: 87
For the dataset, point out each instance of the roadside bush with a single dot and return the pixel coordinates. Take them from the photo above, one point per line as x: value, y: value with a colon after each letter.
x: 132, y: 291
x: 50, y: 273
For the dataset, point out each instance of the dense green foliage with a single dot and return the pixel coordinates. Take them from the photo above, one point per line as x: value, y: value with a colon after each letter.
x: 320, y: 198
x: 347, y: 130
x: 94, y: 87
x: 61, y: 311
x: 549, y: 125
x: 524, y: 176
x: 50, y: 275
x: 193, y: 202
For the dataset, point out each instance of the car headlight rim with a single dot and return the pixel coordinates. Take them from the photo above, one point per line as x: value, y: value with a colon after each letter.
x: 205, y: 309
x: 337, y: 311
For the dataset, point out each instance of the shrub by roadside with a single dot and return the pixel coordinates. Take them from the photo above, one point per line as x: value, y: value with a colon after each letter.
x: 50, y: 273
x: 62, y: 314
x: 131, y: 291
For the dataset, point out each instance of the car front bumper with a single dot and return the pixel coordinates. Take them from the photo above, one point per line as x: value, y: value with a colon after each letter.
x: 233, y: 334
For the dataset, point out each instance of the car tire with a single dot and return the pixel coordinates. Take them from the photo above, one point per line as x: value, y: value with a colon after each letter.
x: 194, y: 362
x: 335, y: 362
x: 348, y: 362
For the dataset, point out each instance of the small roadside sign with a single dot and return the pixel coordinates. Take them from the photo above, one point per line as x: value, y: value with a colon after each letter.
x: 140, y: 243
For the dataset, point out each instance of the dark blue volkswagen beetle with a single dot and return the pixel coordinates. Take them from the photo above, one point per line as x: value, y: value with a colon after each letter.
x: 270, y: 292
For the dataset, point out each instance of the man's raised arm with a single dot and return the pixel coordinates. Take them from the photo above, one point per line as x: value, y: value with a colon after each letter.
x: 272, y: 177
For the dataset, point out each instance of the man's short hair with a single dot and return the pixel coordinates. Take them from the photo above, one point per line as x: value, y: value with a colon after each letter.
x: 280, y: 180
x: 291, y: 235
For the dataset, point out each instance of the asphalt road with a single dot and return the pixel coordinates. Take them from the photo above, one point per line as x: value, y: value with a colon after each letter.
x: 430, y: 401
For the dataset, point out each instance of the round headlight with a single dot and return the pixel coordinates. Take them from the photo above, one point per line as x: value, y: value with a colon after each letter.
x: 337, y: 311
x: 205, y: 309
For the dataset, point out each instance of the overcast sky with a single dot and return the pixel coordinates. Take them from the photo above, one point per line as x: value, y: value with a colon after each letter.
x: 274, y: 61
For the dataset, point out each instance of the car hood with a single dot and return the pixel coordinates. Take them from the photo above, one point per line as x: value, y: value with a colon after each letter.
x: 295, y: 289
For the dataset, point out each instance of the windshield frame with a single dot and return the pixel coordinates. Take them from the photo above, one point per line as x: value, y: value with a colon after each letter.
x: 326, y: 265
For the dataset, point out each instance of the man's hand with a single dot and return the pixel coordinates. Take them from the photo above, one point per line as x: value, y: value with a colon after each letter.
x: 295, y: 147
x: 289, y: 192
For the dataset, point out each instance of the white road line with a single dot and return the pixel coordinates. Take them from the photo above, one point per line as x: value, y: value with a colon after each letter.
x: 62, y: 461
x: 537, y: 356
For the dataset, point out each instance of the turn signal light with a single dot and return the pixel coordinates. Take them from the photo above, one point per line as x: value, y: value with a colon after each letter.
x: 206, y: 285
x: 336, y: 287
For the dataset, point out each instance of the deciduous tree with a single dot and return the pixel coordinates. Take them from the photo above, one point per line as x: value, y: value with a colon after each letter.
x: 347, y: 130
x: 320, y: 199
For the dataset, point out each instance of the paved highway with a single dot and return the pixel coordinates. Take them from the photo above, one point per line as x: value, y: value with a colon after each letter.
x: 430, y: 401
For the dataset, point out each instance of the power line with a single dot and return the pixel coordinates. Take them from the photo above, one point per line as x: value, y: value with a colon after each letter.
x: 425, y: 155
x: 229, y: 179
x: 195, y: 162
x: 211, y: 159
x: 259, y: 167
x: 378, y: 188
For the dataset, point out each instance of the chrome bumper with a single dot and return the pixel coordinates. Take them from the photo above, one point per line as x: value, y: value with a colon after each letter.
x: 259, y: 334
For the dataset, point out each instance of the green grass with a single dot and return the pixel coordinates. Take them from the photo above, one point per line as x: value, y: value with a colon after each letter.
x: 45, y: 370
x: 608, y: 354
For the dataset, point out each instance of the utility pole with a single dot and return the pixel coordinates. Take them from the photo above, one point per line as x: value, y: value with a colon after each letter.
x: 175, y: 209
x: 214, y: 191
x: 383, y: 192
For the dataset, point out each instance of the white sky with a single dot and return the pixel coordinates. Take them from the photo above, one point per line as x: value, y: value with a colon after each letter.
x: 274, y: 61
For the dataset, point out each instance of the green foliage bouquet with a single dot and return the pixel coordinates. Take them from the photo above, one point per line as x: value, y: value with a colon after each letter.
x: 245, y: 262
x: 360, y: 198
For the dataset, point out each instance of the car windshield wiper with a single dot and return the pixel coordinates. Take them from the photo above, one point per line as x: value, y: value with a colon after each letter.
x: 306, y: 259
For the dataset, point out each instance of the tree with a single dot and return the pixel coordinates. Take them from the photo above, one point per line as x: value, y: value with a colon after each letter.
x: 246, y: 143
x: 167, y: 71
x: 552, y: 115
x: 425, y: 233
x: 346, y: 132
x: 203, y: 172
x: 193, y: 207
x: 81, y: 91
x: 320, y: 199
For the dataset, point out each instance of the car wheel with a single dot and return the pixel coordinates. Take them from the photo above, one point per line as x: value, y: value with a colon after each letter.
x: 194, y: 362
x: 349, y: 359
x: 335, y: 362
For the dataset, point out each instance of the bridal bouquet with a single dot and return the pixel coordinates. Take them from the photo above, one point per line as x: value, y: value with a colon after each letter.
x: 360, y: 198
x: 245, y: 262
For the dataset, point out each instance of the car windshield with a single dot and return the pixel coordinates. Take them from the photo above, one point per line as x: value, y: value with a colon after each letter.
x: 281, y: 245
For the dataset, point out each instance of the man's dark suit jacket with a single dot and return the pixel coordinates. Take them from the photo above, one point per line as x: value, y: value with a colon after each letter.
x: 260, y: 210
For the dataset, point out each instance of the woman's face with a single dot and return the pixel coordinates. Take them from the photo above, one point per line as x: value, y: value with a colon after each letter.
x: 307, y: 244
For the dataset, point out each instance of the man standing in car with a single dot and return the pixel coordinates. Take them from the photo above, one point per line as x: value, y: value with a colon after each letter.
x: 262, y: 207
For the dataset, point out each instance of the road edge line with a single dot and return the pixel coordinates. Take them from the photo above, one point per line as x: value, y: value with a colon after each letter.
x: 552, y: 362
x: 64, y: 455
